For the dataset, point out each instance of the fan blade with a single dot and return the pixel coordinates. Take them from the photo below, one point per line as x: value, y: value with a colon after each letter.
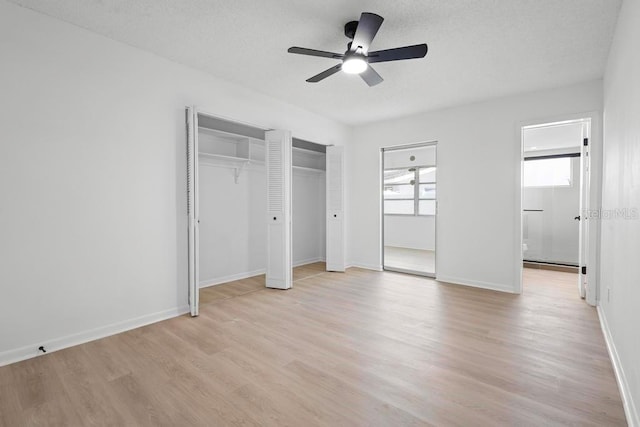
x: 368, y: 26
x: 397, y: 54
x: 313, y: 52
x: 371, y: 77
x: 326, y: 73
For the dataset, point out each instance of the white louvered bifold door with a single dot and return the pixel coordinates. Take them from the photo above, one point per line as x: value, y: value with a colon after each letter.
x: 335, y: 209
x: 278, y: 166
x: 192, y: 209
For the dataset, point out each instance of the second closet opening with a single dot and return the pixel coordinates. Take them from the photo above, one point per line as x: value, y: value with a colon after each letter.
x: 308, y: 205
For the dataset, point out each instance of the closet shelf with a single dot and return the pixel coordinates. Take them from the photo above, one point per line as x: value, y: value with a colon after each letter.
x: 238, y: 164
x: 232, y: 136
x: 231, y: 159
x: 305, y: 169
x: 310, y: 152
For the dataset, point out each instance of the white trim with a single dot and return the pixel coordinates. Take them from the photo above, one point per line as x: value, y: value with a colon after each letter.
x: 630, y: 410
x: 308, y: 261
x: 410, y: 247
x: 231, y: 278
x: 193, y: 230
x: 476, y: 284
x: 30, y: 351
x: 409, y: 271
x: 365, y: 266
x: 232, y: 120
x: 248, y: 274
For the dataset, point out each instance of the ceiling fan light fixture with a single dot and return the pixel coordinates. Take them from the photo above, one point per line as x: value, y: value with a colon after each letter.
x: 358, y: 56
x: 354, y: 65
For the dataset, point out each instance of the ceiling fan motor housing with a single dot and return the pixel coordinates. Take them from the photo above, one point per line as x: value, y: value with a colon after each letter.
x: 350, y: 29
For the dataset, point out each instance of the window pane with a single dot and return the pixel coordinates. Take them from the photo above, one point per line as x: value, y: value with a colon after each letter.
x: 398, y: 207
x: 427, y: 174
x: 547, y: 172
x: 427, y: 191
x: 403, y: 191
x: 398, y: 176
x: 427, y: 207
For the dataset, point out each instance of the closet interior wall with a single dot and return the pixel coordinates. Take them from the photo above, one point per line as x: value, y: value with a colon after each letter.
x: 233, y: 206
x: 308, y: 203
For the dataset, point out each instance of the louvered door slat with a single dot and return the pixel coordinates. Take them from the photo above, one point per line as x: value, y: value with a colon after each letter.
x: 335, y: 209
x: 278, y: 165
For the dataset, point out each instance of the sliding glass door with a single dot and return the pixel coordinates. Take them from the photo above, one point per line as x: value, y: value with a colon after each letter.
x: 409, y: 209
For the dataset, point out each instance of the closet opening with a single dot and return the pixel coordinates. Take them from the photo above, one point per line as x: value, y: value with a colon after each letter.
x: 308, y: 181
x: 260, y: 203
x: 226, y: 199
x: 409, y: 209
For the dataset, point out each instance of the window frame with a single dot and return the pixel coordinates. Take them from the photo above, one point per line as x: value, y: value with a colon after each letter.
x: 416, y: 190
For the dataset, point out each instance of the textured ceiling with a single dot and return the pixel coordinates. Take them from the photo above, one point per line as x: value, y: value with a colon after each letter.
x: 478, y: 49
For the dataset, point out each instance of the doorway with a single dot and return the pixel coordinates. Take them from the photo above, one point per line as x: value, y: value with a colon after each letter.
x: 555, y: 196
x: 409, y: 208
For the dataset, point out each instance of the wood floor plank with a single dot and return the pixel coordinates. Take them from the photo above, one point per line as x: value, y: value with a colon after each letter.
x: 352, y: 349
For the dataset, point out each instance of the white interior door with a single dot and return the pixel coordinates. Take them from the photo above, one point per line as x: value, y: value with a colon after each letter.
x: 278, y: 166
x: 584, y: 213
x: 335, y: 209
x: 192, y: 209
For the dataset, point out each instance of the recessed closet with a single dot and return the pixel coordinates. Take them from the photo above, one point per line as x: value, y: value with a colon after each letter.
x: 258, y: 203
x: 308, y: 202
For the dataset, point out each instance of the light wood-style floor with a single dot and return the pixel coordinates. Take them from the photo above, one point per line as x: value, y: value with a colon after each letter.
x: 361, y: 348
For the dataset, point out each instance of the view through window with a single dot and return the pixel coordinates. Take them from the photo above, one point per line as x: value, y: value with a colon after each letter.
x: 554, y: 172
x: 410, y: 191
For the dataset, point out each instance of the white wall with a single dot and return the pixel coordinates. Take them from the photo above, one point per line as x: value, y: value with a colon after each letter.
x: 92, y: 178
x: 233, y: 234
x: 620, y: 252
x: 308, y: 220
x: 478, y: 231
x: 553, y: 235
x: 233, y: 238
x: 408, y: 231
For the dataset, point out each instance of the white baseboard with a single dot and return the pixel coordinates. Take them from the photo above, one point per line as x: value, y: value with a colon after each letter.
x: 448, y: 279
x: 476, y: 284
x: 365, y: 266
x: 629, y: 406
x: 247, y: 274
x: 231, y: 278
x: 410, y: 247
x: 308, y: 261
x: 27, y: 352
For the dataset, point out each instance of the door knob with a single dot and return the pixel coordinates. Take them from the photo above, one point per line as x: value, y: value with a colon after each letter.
x: 578, y: 218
